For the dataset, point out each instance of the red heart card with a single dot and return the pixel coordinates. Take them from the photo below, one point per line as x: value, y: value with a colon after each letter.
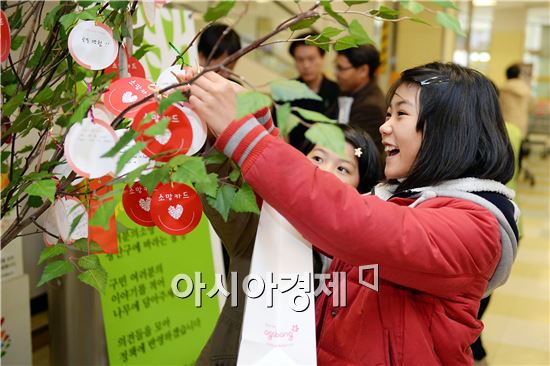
x: 137, y: 204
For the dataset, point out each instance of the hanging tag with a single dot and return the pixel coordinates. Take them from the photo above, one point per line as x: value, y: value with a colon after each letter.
x: 92, y: 45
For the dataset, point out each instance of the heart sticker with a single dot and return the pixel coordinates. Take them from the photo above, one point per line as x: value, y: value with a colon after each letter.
x: 176, y: 208
x: 135, y: 68
x: 137, y: 204
x: 67, y: 210
x: 177, y: 138
x: 92, y: 45
x: 85, y: 145
x: 124, y: 92
x: 5, y: 37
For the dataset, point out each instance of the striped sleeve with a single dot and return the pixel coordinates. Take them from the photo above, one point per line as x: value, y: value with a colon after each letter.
x: 244, y: 140
x: 264, y: 118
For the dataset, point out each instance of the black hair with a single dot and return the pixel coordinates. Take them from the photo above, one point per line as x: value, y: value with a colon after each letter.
x: 301, y: 42
x: 463, y: 130
x: 230, y: 44
x: 370, y: 168
x: 513, y: 71
x: 363, y: 55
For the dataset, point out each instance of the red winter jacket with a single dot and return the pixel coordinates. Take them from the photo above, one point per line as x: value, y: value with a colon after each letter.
x: 434, y: 260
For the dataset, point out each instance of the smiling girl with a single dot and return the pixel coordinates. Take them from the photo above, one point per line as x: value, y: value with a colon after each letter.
x: 441, y: 230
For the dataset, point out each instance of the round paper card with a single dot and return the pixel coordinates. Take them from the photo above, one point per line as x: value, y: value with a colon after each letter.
x: 177, y: 138
x: 198, y: 126
x: 175, y: 208
x: 50, y: 224
x: 67, y: 210
x: 5, y: 37
x: 168, y: 76
x: 85, y: 145
x: 92, y: 45
x: 137, y: 204
x: 135, y: 68
x: 124, y: 92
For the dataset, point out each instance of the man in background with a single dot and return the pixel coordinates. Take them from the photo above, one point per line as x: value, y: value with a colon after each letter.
x: 309, y: 61
x: 515, y: 99
x: 361, y: 103
x: 229, y: 44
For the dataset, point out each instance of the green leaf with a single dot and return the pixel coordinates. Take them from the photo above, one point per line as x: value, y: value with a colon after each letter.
x: 191, y: 169
x: 419, y: 20
x: 312, y: 115
x: 10, y: 90
x: 82, y: 108
x: 445, y: 4
x: 134, y: 174
x: 304, y: 23
x: 234, y: 175
x: 15, y: 19
x: 327, y: 135
x: 75, y: 222
x: 118, y: 4
x: 330, y: 32
x: 50, y: 252
x: 138, y: 35
x: 88, y: 247
x: 89, y: 262
x: 140, y: 52
x: 85, y: 3
x: 359, y: 34
x: 157, y: 128
x: 344, y: 43
x: 53, y: 270
x: 121, y: 143
x: 17, y: 42
x: 448, y: 21
x: 215, y: 158
x: 51, y: 17
x: 290, y: 90
x: 223, y: 201
x: 96, y: 278
x: 320, y: 41
x: 36, y: 56
x: 283, y: 112
x: 42, y: 188
x: 103, y: 214
x: 385, y: 13
x: 250, y: 102
x: 13, y: 103
x: 218, y: 11
x: 413, y: 6
x: 67, y: 20
x: 157, y: 176
x: 355, y: 2
x: 174, y: 97
x: 44, y: 96
x: 208, y: 186
x: 35, y: 201
x: 245, y: 200
x: 328, y: 8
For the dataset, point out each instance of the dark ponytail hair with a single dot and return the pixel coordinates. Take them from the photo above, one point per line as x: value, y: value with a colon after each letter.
x: 370, y: 168
x: 463, y: 130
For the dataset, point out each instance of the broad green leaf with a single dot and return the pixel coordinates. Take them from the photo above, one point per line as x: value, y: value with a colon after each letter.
x: 44, y: 96
x: 192, y: 169
x: 445, y: 4
x: 448, y: 21
x: 88, y: 247
x: 68, y: 19
x: 312, y: 115
x: 38, y: 175
x: 290, y: 90
x: 283, y: 112
x: 328, y: 8
x: 54, y: 270
x: 36, y: 56
x: 320, y: 41
x: 174, y: 97
x: 50, y: 252
x: 140, y: 52
x: 10, y: 90
x: 215, y: 158
x: 42, y: 188
x: 304, y: 23
x: 138, y: 35
x: 85, y: 3
x: 385, y: 13
x: 208, y: 186
x: 89, y: 261
x: 134, y: 174
x: 413, y: 6
x: 355, y: 2
x: 13, y: 103
x: 223, y: 201
x: 344, y: 43
x: 35, y: 201
x: 331, y: 32
x: 17, y: 42
x: 15, y: 19
x: 245, y: 200
x: 82, y: 108
x: 51, y: 17
x: 75, y: 222
x: 234, y: 175
x: 150, y: 181
x: 218, y: 11
x: 250, y: 102
x: 129, y: 154
x: 359, y: 34
x: 121, y: 143
x: 118, y: 4
x: 327, y: 135
x: 96, y: 278
x: 103, y: 214
x: 158, y: 128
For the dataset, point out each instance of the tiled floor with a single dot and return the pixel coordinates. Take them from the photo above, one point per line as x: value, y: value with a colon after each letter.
x: 517, y: 324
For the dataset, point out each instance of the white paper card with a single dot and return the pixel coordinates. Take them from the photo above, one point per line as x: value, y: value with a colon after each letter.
x: 92, y: 45
x: 67, y: 209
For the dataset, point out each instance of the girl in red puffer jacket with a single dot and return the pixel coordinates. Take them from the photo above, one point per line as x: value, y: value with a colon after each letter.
x: 441, y: 230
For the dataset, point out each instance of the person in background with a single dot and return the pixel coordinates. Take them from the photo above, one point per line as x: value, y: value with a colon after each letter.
x: 361, y: 102
x: 515, y: 99
x: 229, y: 44
x: 309, y: 62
